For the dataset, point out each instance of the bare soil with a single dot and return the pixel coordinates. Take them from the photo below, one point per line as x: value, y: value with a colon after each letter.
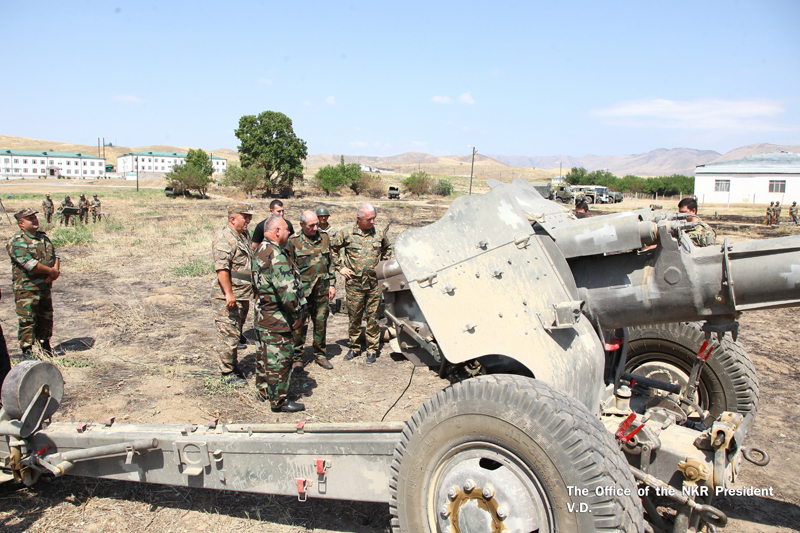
x: 138, y: 339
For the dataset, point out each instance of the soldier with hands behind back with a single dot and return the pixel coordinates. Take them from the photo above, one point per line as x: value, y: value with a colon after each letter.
x: 34, y: 268
x: 310, y: 250
x: 356, y: 252
x: 48, y: 207
x: 233, y: 289
x: 280, y: 308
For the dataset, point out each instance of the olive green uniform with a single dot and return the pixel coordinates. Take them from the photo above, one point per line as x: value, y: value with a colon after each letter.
x: 312, y: 256
x: 361, y: 251
x: 48, y: 207
x: 702, y: 234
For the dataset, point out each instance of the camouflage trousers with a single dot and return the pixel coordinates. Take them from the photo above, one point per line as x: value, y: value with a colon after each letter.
x: 229, y: 323
x: 363, y: 298
x: 65, y: 219
x: 794, y: 219
x: 318, y: 315
x: 35, y: 313
x: 96, y: 217
x: 48, y: 215
x: 273, y: 365
x: 83, y: 216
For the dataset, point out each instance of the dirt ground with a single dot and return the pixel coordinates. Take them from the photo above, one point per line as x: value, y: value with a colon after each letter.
x: 133, y: 313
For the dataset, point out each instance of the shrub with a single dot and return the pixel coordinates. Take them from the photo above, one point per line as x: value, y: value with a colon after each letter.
x: 79, y: 235
x: 371, y: 185
x: 442, y: 187
x: 418, y: 183
x: 194, y: 268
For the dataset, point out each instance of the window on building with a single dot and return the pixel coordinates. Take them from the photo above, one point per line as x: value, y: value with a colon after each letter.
x: 69, y: 171
x: 777, y: 185
x: 51, y: 161
x: 149, y: 160
x: 16, y: 170
x: 162, y: 160
x: 92, y: 171
x: 24, y: 161
x: 149, y: 168
x: 24, y: 170
x: 68, y: 163
x: 84, y: 163
x: 5, y: 160
x: 722, y: 185
x: 92, y: 164
x: 16, y: 161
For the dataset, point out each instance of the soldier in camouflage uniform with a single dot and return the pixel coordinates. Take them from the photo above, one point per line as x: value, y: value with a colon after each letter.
x: 323, y: 213
x: 48, y: 208
x: 770, y: 214
x: 702, y: 234
x: 793, y: 212
x: 94, y: 206
x: 310, y: 251
x: 34, y: 268
x: 280, y: 310
x: 356, y: 253
x: 66, y: 202
x: 233, y: 289
x: 776, y: 220
x: 83, y: 205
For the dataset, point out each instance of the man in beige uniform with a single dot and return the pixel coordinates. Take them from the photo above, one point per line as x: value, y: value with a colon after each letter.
x: 232, y: 290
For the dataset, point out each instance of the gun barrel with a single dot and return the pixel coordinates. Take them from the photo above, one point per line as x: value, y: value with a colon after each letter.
x: 679, y: 282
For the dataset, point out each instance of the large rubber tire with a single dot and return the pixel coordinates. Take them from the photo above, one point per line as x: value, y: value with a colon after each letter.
x: 668, y: 351
x: 530, y: 443
x: 588, y: 199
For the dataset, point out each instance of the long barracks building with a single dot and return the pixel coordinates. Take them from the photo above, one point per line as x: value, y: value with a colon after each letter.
x: 28, y: 164
x: 160, y: 162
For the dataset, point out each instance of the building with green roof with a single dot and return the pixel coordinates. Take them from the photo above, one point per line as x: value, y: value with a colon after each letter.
x: 156, y: 164
x: 29, y: 164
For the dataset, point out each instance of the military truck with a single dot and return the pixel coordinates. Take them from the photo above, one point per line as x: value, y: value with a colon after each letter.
x: 564, y: 194
x: 594, y: 194
x: 593, y: 362
x: 394, y: 192
x: 545, y: 189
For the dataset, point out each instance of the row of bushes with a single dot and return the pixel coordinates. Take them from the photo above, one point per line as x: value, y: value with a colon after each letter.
x: 662, y: 185
x: 334, y: 178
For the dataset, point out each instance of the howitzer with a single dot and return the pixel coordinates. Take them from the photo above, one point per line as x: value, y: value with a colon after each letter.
x: 556, y: 412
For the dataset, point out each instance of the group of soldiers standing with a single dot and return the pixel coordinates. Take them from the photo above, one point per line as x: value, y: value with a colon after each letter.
x: 84, y: 208
x: 774, y: 214
x: 291, y: 278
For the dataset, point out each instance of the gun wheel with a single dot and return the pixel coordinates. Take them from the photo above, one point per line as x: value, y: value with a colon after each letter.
x: 508, y: 453
x: 667, y: 352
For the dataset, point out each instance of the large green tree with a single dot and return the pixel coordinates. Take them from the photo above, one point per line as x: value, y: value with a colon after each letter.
x: 200, y: 161
x: 268, y: 143
x: 247, y: 179
x: 188, y: 178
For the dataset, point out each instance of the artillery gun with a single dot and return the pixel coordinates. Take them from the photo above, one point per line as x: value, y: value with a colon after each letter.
x: 548, y: 425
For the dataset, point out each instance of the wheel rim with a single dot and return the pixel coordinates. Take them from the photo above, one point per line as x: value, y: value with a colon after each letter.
x: 482, y: 487
x: 663, y: 367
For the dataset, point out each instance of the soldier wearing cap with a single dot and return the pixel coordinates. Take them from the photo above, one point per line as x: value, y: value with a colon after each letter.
x: 323, y: 214
x: 232, y: 290
x: 770, y: 213
x: 66, y: 202
x: 48, y: 208
x: 83, y: 205
x: 34, y: 268
x: 776, y: 212
x: 793, y: 212
x: 95, y: 207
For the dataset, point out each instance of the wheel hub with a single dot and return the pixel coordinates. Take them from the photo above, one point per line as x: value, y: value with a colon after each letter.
x: 482, y: 489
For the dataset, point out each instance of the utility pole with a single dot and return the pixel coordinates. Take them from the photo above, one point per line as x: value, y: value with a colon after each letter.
x: 472, y: 168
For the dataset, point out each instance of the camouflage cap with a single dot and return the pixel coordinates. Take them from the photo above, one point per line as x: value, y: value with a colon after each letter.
x: 19, y: 215
x: 243, y: 208
x: 66, y: 197
x: 95, y: 195
x: 82, y: 196
x: 48, y: 195
x: 322, y: 211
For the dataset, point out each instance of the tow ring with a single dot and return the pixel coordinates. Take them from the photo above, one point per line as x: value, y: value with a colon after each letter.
x: 747, y: 452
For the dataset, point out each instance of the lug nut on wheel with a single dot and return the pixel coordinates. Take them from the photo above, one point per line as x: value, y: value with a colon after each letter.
x: 502, y: 512
x: 452, y: 492
x: 444, y: 511
x: 469, y: 485
x: 488, y: 492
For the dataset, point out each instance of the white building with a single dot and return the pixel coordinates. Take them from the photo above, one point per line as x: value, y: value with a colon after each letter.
x: 763, y: 178
x: 28, y: 164
x: 160, y: 162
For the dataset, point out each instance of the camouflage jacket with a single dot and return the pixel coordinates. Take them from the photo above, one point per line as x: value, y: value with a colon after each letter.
x: 777, y: 211
x: 65, y: 203
x: 312, y: 256
x: 279, y: 291
x: 232, y: 252
x: 95, y: 205
x: 331, y: 231
x: 793, y: 210
x: 702, y: 234
x: 770, y: 211
x: 83, y: 204
x: 26, y: 251
x: 360, y: 251
x: 47, y: 206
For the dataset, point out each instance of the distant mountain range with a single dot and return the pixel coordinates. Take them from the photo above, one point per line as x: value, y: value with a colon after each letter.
x: 660, y: 162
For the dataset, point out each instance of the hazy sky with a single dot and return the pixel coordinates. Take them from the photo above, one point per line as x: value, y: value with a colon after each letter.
x: 383, y: 78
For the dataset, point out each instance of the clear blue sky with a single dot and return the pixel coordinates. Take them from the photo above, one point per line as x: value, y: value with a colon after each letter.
x: 383, y: 78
